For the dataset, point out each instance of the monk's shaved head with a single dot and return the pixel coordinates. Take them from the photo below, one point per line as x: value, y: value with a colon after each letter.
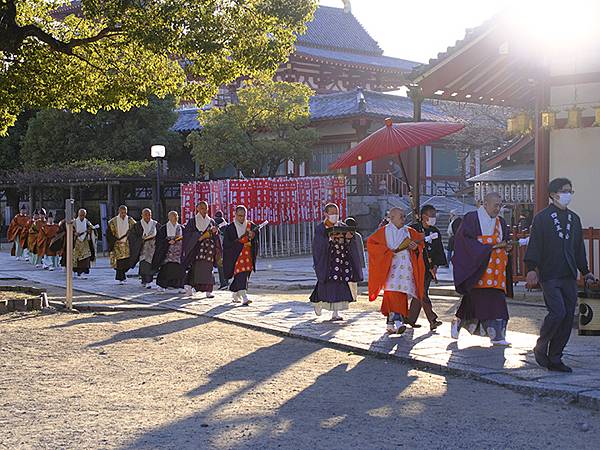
x: 397, y: 217
x: 492, y: 203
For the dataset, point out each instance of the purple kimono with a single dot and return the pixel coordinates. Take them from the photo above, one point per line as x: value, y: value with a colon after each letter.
x: 481, y: 311
x: 335, y: 264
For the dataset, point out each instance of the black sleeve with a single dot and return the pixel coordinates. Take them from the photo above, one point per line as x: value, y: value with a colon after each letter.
x: 580, y: 255
x: 534, y: 253
x: 438, y: 255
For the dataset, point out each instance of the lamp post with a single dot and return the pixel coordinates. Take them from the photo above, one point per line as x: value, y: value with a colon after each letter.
x: 158, y: 152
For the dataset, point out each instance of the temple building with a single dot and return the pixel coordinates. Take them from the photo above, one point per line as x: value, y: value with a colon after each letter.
x: 553, y: 80
x: 353, y: 81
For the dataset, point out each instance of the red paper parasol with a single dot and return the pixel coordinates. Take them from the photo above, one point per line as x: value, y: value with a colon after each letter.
x: 394, y: 139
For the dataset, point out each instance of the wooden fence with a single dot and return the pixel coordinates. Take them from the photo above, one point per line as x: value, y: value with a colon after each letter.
x: 591, y: 237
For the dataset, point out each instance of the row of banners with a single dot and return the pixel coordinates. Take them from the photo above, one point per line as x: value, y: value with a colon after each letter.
x: 278, y: 200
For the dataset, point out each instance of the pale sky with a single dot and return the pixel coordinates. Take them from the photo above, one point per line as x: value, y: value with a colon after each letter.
x: 418, y: 30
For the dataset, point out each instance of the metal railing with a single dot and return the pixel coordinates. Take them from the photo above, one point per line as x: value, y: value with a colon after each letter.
x: 376, y: 184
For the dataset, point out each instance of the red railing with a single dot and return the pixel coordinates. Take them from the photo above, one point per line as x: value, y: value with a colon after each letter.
x: 591, y: 237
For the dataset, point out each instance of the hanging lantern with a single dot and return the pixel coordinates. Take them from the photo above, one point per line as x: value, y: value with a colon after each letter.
x: 511, y: 125
x: 548, y: 119
x: 574, y: 117
x: 596, y: 116
x: 522, y: 123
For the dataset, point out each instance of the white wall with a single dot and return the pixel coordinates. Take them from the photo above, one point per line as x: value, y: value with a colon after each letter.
x: 575, y: 154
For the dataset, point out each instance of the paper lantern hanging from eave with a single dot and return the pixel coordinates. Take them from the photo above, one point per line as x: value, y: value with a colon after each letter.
x: 548, y: 119
x: 511, y: 124
x: 522, y: 123
x: 596, y: 116
x: 574, y: 117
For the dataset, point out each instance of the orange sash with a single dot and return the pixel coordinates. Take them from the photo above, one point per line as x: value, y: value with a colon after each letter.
x: 244, y: 261
x: 494, y: 276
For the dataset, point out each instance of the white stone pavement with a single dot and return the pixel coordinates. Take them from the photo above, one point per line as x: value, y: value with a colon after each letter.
x: 362, y: 331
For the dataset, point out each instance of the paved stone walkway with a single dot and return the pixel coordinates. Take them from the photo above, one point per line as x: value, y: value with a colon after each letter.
x: 362, y: 331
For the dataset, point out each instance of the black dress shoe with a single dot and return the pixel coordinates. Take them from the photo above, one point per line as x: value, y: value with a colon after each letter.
x: 560, y: 367
x: 414, y: 325
x: 541, y: 358
x: 434, y: 325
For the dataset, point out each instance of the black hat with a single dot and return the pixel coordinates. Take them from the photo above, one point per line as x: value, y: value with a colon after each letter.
x: 23, y: 208
x: 50, y: 215
x: 36, y: 212
x: 43, y: 211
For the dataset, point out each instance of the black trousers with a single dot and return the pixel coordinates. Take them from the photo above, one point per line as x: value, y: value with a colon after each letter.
x: 416, y: 304
x: 560, y: 297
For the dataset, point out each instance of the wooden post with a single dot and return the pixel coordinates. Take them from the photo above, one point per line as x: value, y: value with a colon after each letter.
x: 416, y: 94
x: 69, y: 212
x: 542, y: 150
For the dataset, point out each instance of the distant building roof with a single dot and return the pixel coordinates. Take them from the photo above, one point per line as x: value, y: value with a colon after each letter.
x: 187, y: 120
x: 369, y: 103
x: 520, y: 172
x: 342, y: 105
x: 335, y: 28
x: 335, y: 34
x: 384, y: 62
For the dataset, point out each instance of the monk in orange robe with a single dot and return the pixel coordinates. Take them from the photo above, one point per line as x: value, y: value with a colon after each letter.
x: 17, y: 233
x: 395, y: 266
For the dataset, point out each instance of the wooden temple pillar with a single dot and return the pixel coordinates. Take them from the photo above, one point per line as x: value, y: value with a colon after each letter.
x: 542, y: 149
x: 416, y: 95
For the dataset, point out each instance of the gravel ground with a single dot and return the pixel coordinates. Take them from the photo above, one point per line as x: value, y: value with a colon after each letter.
x: 150, y: 379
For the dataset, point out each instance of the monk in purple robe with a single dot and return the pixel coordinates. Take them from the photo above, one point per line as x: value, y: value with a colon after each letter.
x: 482, y: 273
x: 337, y: 263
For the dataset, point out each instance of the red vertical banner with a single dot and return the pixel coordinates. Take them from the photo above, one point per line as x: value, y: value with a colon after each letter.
x: 234, y: 197
x: 203, y: 191
x: 187, y: 201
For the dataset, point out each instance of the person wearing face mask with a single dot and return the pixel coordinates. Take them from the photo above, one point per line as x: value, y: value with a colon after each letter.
x: 482, y: 274
x: 555, y: 254
x: 337, y: 264
x: 396, y: 267
x: 434, y: 256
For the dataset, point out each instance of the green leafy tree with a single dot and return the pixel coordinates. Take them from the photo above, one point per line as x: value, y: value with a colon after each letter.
x: 56, y: 136
x: 267, y: 127
x: 113, y: 54
x: 10, y: 145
